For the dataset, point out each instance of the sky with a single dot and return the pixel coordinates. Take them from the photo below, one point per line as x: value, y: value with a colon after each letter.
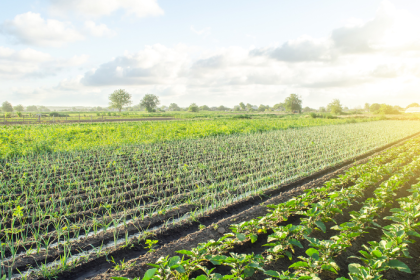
x: 210, y: 52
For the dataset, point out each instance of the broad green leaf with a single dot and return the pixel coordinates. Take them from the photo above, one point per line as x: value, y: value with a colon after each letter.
x: 185, y: 252
x: 241, y: 236
x: 399, y: 265
x: 295, y: 243
x: 248, y: 272
x: 377, y: 253
x: 311, y: 251
x: 299, y: 264
x: 254, y: 238
x: 354, y: 268
x: 173, y: 261
x: 180, y: 269
x: 149, y: 274
x: 288, y: 254
x: 321, y: 226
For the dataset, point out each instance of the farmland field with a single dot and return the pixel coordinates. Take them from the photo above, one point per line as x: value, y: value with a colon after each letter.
x: 83, y: 201
x: 351, y: 227
x: 27, y: 140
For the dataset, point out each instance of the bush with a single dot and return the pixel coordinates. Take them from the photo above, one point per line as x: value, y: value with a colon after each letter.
x: 241, y: 117
x: 56, y: 114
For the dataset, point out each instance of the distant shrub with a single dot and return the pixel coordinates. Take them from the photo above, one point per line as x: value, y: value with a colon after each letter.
x: 56, y: 114
x: 241, y: 117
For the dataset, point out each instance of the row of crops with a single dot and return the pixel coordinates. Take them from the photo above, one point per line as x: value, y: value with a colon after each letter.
x: 26, y: 140
x: 373, y: 185
x: 62, y: 209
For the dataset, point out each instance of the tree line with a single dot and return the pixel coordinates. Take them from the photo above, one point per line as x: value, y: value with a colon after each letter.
x: 121, y: 99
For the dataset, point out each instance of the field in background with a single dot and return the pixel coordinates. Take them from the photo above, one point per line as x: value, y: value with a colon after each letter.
x: 21, y: 140
x: 75, y: 117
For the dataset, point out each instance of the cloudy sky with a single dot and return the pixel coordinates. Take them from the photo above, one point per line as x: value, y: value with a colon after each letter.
x: 213, y: 52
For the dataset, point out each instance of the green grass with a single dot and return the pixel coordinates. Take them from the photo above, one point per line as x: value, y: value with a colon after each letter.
x: 22, y: 140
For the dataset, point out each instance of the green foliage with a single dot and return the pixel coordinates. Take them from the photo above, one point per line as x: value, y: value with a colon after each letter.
x: 150, y: 102
x: 204, y: 108
x: 32, y: 108
x: 151, y: 245
x: 193, y: 108
x: 335, y: 107
x: 7, y: 107
x: 18, y: 108
x: 262, y: 108
x: 387, y: 109
x: 174, y: 107
x: 119, y: 99
x: 293, y: 103
x: 26, y: 140
x: 374, y: 107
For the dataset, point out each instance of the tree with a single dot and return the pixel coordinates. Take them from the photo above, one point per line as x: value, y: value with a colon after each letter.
x: 249, y: 107
x: 335, y: 107
x: 242, y: 105
x: 31, y: 108
x: 367, y: 107
x: 205, y: 108
x: 174, y: 107
x: 262, y: 108
x: 293, y: 103
x: 387, y: 109
x: 149, y: 102
x: 118, y: 99
x: 43, y: 109
x: 7, y: 107
x: 236, y: 108
x: 18, y: 108
x: 193, y: 108
x: 307, y: 109
x: 222, y: 108
x: 279, y: 107
x: 375, y: 107
x: 322, y: 109
x: 413, y: 105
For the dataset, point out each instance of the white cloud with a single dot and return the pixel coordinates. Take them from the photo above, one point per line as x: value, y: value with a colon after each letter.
x: 362, y: 60
x: 31, y: 29
x: 15, y: 64
x: 27, y: 63
x: 155, y: 64
x: 100, y: 30
x: 139, y: 8
x: 304, y: 48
